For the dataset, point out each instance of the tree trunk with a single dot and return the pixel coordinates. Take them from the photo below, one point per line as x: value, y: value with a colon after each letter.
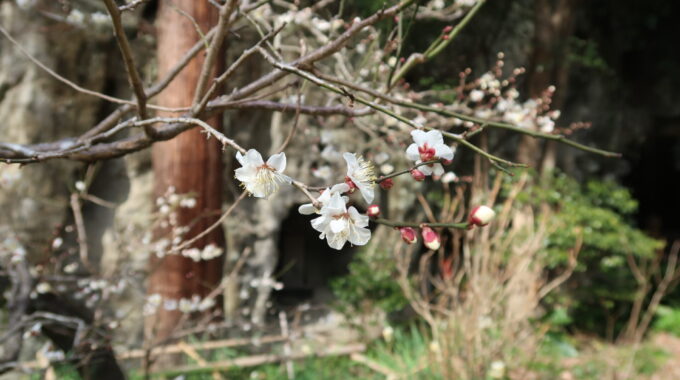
x: 190, y: 163
x: 553, y: 24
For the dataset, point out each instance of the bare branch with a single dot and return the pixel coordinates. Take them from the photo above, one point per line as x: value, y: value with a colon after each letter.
x: 126, y: 51
x: 215, y: 47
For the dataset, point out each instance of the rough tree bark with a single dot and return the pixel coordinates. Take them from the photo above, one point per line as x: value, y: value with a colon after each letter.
x: 190, y: 163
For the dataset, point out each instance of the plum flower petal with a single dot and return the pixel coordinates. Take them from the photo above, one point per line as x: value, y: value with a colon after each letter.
x: 338, y: 225
x: 325, y: 197
x: 429, y: 146
x: 362, y: 174
x: 277, y: 162
x: 261, y: 179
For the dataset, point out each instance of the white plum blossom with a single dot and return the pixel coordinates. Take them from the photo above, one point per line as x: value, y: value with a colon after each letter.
x: 210, y: 252
x: 324, y: 198
x: 476, y: 95
x: 261, y: 179
x: 360, y: 173
x: 429, y: 146
x: 449, y: 177
x: 545, y: 124
x: 338, y: 224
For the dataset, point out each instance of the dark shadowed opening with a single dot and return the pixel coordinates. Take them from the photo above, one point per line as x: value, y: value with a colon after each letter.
x: 306, y: 263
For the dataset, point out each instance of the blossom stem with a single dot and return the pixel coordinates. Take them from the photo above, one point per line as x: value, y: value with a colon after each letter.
x: 305, y: 189
x: 341, y: 91
x: 437, y: 46
x: 397, y: 224
x: 483, y: 122
x: 406, y: 171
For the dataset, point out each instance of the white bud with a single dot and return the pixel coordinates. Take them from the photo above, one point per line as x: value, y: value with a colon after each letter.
x: 481, y: 216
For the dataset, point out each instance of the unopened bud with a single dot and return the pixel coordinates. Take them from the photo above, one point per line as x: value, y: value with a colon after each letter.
x: 447, y: 29
x: 373, y: 211
x: 417, y: 175
x: 387, y: 183
x: 408, y: 235
x: 430, y: 238
x: 481, y: 216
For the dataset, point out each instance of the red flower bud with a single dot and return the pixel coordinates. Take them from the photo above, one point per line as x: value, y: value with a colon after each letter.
x: 373, y: 211
x: 447, y: 29
x: 387, y: 183
x: 408, y: 235
x: 430, y: 238
x: 481, y: 216
x: 417, y: 175
x: 351, y: 184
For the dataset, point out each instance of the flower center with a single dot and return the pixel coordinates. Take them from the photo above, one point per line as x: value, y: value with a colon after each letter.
x: 268, y: 178
x: 427, y: 153
x: 341, y: 216
x: 364, y: 173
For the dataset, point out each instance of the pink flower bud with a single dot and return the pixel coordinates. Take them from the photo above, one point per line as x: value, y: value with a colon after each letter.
x: 447, y: 29
x: 417, y: 175
x: 408, y: 235
x: 373, y: 211
x: 351, y: 184
x: 387, y: 183
x: 481, y: 216
x: 430, y: 238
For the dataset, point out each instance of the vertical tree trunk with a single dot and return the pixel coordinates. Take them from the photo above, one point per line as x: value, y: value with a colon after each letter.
x: 553, y: 24
x: 190, y: 163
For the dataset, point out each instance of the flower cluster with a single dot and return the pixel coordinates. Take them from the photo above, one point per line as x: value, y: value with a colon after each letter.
x: 184, y: 305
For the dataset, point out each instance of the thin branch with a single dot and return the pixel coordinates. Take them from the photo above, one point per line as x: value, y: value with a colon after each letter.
x: 126, y: 51
x: 12, y: 153
x: 87, y: 150
x: 397, y: 224
x: 322, y: 52
x: 75, y: 86
x: 131, y: 6
x: 296, y: 121
x: 231, y: 70
x: 215, y: 47
x: 59, y: 77
x: 405, y: 171
x: 457, y: 115
x: 217, y: 223
x: 181, y: 64
x: 81, y: 231
x: 439, y: 45
x: 319, y: 82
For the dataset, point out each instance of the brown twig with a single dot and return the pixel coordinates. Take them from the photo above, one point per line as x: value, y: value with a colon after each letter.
x: 126, y: 51
x: 81, y: 231
x: 214, y: 49
x: 231, y: 70
x: 217, y: 223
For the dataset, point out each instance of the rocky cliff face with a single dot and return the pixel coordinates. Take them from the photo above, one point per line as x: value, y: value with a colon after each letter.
x: 34, y: 108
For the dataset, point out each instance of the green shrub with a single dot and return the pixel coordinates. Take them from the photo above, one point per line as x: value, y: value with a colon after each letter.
x: 668, y: 320
x: 600, y: 215
x: 370, y: 284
